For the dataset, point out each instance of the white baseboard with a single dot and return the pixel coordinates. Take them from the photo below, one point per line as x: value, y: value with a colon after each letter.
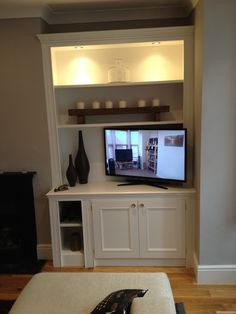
x: 214, y: 274
x: 139, y: 262
x: 44, y: 251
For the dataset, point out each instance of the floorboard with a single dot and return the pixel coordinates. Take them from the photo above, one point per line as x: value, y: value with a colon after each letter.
x: 197, y: 299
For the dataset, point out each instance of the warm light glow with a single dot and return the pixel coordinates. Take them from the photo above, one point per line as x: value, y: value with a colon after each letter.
x: 148, y: 61
x: 82, y: 70
x: 79, y: 69
x: 156, y: 68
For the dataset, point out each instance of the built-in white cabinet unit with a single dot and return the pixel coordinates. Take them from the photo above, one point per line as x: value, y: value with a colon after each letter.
x: 141, y: 228
x: 123, y: 225
x: 156, y: 63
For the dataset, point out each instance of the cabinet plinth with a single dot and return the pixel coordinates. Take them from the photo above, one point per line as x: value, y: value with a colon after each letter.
x: 82, y: 113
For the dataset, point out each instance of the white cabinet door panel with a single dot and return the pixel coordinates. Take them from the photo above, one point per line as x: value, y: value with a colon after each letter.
x: 162, y: 228
x: 115, y: 228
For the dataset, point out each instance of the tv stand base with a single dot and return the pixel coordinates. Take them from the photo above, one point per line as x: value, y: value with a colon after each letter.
x: 145, y: 183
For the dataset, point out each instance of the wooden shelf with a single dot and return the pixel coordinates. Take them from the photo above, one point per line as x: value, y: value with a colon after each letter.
x: 82, y: 113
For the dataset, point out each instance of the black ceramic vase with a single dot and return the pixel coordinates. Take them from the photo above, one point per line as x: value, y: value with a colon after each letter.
x: 81, y: 162
x: 71, y: 173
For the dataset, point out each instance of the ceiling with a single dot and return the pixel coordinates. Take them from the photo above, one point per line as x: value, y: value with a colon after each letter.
x: 70, y: 11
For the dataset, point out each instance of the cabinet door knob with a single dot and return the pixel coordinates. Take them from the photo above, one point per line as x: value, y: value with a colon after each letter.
x: 141, y: 205
x: 133, y: 205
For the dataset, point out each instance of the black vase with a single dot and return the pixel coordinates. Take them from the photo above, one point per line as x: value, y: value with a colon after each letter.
x: 71, y: 173
x: 81, y: 162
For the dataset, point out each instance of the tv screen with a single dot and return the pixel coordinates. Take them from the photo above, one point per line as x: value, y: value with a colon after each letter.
x: 153, y: 154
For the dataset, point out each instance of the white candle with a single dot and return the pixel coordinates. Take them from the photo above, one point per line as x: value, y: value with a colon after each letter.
x: 122, y: 104
x: 96, y: 105
x: 141, y: 103
x: 156, y: 102
x: 108, y: 104
x: 80, y: 105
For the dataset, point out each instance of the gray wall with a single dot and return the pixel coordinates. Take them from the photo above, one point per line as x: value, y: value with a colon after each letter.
x: 217, y: 98
x: 24, y: 135
x: 198, y: 38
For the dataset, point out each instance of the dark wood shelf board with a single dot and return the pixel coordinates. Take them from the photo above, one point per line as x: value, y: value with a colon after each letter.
x: 82, y: 113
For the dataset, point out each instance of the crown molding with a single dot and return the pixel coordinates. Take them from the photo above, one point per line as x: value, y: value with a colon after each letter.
x: 86, y: 16
x: 190, y: 5
x: 194, y: 3
x: 10, y: 11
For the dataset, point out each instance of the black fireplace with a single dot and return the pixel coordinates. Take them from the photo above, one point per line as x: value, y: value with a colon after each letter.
x: 17, y: 223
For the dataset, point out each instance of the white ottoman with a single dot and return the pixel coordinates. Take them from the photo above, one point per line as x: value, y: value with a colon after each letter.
x: 79, y: 293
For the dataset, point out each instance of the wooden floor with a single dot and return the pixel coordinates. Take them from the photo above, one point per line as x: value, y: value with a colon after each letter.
x: 198, y: 299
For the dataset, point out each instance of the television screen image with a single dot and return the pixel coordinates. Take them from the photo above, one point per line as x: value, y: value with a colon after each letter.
x: 124, y: 155
x: 150, y: 154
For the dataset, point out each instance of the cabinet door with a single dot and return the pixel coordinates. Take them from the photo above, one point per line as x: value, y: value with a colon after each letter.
x: 115, y: 225
x: 162, y: 228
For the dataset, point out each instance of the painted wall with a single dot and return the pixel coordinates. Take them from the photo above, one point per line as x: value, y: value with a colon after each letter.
x: 24, y: 135
x: 198, y: 68
x: 217, y: 236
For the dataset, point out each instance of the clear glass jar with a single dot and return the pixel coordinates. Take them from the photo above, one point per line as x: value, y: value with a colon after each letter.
x: 118, y: 72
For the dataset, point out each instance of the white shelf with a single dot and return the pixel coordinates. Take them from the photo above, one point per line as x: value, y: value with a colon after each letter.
x: 117, y: 84
x: 69, y: 252
x: 71, y: 224
x: 70, y: 258
x: 95, y: 125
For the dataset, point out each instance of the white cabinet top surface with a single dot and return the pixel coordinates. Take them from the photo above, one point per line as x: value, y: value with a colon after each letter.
x: 110, y: 188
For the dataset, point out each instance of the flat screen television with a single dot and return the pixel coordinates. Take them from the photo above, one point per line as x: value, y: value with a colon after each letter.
x: 146, y: 155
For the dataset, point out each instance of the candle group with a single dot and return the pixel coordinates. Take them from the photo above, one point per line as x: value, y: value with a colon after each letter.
x: 108, y: 104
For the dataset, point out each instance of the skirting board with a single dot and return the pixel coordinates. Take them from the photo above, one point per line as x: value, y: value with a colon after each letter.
x: 214, y: 274
x: 44, y: 251
x: 140, y: 262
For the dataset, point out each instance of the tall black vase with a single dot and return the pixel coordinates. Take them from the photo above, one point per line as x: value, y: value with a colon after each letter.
x: 81, y: 161
x: 71, y: 173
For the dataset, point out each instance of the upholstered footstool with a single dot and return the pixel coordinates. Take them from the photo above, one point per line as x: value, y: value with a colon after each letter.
x: 79, y: 293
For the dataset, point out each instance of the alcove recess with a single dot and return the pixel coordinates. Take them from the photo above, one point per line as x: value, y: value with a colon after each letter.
x: 81, y: 73
x: 76, y: 69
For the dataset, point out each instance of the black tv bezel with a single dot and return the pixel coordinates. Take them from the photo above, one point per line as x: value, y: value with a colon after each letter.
x: 141, y: 179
